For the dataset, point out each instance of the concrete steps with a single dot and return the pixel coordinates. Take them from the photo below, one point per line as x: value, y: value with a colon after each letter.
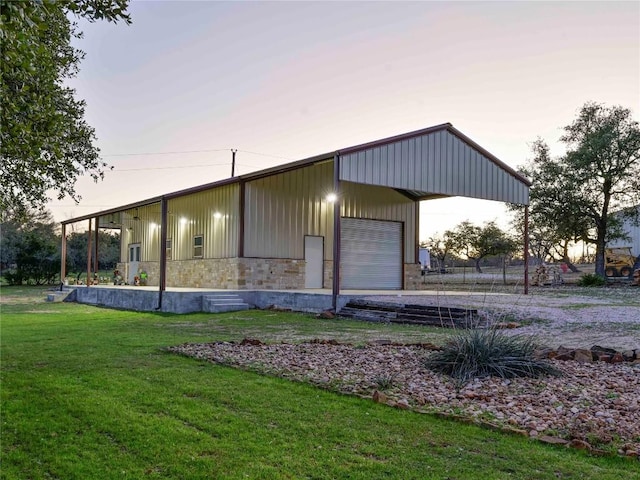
x: 58, y: 295
x: 223, y: 302
x: 435, y: 316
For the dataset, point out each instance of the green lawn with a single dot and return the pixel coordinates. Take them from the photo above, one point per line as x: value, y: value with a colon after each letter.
x: 89, y: 393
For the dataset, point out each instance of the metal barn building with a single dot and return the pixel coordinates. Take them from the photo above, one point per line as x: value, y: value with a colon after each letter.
x: 347, y: 219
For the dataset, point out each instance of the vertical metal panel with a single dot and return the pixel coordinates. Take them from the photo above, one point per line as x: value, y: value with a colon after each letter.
x: 213, y: 213
x: 281, y: 209
x: 141, y: 225
x: 434, y: 163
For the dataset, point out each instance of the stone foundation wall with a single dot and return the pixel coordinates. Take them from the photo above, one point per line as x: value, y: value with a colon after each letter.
x: 153, y: 272
x: 412, y: 276
x: 237, y: 273
x: 270, y: 273
x: 248, y: 273
x: 202, y: 273
x: 327, y: 280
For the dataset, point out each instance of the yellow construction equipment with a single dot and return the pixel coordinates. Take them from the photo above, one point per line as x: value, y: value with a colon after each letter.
x: 620, y: 262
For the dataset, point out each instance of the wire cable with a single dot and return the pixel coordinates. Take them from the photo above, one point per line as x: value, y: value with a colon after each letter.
x: 164, y: 153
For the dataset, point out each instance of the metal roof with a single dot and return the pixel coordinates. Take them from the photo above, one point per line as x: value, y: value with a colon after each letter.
x: 415, y: 194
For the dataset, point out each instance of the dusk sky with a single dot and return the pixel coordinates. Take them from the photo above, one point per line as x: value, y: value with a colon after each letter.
x: 285, y: 81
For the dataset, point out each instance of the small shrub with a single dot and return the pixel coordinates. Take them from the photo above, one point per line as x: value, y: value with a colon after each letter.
x: 490, y: 352
x: 591, y: 280
x: 385, y: 382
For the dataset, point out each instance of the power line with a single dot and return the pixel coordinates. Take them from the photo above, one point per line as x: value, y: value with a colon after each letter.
x: 169, y: 168
x: 164, y: 153
x: 192, y: 151
x: 265, y: 155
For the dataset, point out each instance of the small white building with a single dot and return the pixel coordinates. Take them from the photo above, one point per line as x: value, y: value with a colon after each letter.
x: 633, y: 231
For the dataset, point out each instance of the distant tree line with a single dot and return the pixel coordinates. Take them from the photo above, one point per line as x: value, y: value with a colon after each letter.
x: 30, y: 249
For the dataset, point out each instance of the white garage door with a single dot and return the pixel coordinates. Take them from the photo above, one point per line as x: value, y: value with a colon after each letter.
x: 370, y: 254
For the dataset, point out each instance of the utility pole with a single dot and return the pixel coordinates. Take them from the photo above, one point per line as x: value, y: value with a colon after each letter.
x: 233, y: 161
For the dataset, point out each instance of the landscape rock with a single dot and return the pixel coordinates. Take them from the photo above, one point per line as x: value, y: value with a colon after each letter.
x: 553, y: 440
x: 588, y: 400
x: 617, y: 358
x: 564, y: 353
x: 583, y: 356
x: 598, y: 351
x: 380, y: 397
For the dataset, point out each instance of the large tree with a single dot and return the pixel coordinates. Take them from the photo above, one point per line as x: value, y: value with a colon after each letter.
x: 45, y: 142
x: 576, y: 193
x: 477, y: 242
x: 29, y: 247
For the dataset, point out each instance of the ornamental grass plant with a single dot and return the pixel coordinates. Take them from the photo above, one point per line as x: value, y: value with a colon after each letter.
x: 591, y: 280
x: 479, y: 353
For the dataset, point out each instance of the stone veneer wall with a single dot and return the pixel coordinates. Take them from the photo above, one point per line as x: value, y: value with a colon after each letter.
x: 249, y: 273
x: 203, y: 273
x: 270, y: 273
x: 237, y: 273
x: 412, y: 276
x: 153, y: 272
x: 327, y: 274
x: 152, y: 269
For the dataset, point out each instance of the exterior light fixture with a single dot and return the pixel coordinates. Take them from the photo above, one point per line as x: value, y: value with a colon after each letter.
x: 332, y: 197
x: 183, y: 221
x: 217, y: 215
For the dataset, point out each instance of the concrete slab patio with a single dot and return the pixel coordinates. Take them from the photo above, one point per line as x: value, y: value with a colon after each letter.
x: 189, y: 300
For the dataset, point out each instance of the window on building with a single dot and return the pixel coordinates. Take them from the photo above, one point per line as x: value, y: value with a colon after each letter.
x: 168, y: 250
x: 198, y: 246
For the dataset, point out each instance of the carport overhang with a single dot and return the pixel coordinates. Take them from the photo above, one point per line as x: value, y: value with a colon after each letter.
x: 435, y: 162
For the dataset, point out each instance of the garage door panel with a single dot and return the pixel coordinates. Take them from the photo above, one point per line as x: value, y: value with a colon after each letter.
x: 371, y: 254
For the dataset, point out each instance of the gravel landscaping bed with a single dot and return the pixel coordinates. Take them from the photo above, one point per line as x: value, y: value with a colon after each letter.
x: 593, y: 405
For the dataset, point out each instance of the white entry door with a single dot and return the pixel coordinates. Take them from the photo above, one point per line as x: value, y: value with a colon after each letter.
x: 134, y: 261
x: 314, y: 258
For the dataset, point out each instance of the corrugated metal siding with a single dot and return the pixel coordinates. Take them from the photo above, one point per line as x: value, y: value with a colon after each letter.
x: 212, y: 213
x: 435, y: 163
x: 281, y: 209
x: 141, y: 225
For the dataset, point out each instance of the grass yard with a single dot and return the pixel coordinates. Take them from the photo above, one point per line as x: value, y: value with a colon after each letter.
x: 88, y: 393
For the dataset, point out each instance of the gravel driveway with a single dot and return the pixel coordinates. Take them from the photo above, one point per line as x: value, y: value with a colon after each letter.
x: 566, y: 316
